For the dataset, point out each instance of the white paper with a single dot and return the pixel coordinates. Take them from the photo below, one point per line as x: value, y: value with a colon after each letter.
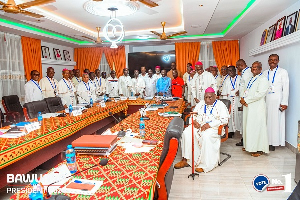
x: 13, y: 135
x: 49, y: 115
x: 123, y: 98
x: 132, y: 149
x: 57, y: 176
x: 76, y: 112
x: 78, y: 191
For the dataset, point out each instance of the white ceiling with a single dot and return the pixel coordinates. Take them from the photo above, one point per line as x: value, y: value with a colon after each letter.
x: 68, y: 18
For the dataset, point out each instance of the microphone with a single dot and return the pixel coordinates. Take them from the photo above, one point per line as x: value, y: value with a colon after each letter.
x: 103, y: 162
x: 110, y: 90
x: 121, y: 133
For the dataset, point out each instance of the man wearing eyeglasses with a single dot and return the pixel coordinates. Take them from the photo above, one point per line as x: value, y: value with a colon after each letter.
x: 33, y: 91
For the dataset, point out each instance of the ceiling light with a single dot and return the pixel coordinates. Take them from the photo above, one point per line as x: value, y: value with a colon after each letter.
x: 143, y: 37
x: 195, y: 26
x: 201, y: 5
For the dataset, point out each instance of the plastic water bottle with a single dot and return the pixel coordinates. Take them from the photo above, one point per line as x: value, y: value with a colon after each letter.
x: 91, y: 102
x: 40, y: 118
x: 37, y: 191
x: 70, y: 109
x: 105, y: 98
x: 142, y: 127
x: 131, y: 94
x: 71, y: 159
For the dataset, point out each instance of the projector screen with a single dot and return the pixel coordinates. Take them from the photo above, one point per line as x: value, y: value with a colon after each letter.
x: 150, y: 60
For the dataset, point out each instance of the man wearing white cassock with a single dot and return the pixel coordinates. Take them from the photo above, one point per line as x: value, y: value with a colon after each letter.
x: 86, y: 90
x: 202, y: 81
x: 189, y: 83
x: 255, y: 134
x: 157, y: 74
x: 185, y: 78
x: 138, y: 85
x: 76, y: 79
x: 66, y: 90
x: 211, y: 114
x: 150, y: 84
x: 93, y: 82
x: 224, y: 75
x: 214, y: 71
x: 112, y: 89
x: 277, y: 98
x: 33, y: 91
x: 230, y: 92
x: 125, y: 84
x: 101, y: 82
x: 49, y: 84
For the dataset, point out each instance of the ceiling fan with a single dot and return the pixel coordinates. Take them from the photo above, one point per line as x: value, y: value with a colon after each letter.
x: 146, y: 2
x: 164, y: 36
x: 12, y: 7
x: 98, y: 41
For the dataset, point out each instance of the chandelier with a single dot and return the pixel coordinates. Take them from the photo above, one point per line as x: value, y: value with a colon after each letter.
x: 113, y: 30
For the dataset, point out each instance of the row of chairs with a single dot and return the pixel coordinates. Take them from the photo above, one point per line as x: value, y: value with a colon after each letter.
x: 15, y: 113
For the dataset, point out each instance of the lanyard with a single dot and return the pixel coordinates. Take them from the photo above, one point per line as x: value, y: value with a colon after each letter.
x: 69, y: 87
x: 37, y: 85
x: 273, y: 75
x: 88, y: 88
x: 211, y: 109
x: 244, y: 71
x: 250, y: 84
x: 217, y: 76
x: 51, y: 83
x: 233, y: 84
x: 98, y: 80
x: 93, y: 83
x: 189, y: 78
x: 78, y: 80
x: 224, y: 80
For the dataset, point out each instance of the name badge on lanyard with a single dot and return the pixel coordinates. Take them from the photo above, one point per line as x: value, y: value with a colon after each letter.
x: 272, y: 87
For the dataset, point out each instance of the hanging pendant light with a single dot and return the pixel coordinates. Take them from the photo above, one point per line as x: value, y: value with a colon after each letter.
x: 113, y: 30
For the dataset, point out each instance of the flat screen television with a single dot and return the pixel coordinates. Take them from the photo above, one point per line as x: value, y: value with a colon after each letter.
x: 150, y: 60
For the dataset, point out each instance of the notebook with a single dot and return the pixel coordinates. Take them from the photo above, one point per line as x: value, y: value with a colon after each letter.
x: 99, y: 141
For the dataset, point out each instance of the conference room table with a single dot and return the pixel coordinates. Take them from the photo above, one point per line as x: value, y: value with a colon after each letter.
x: 127, y: 175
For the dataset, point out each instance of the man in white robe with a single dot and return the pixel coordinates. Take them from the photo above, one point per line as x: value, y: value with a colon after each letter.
x: 224, y: 76
x: 101, y: 82
x: 76, y: 79
x: 214, y: 71
x: 277, y: 98
x: 66, y: 90
x: 211, y: 114
x: 49, y: 84
x: 93, y: 82
x: 143, y: 74
x: 255, y: 134
x: 189, y: 83
x: 33, y: 91
x: 112, y: 89
x: 150, y: 85
x: 246, y: 75
x: 157, y: 74
x: 125, y: 84
x: 185, y: 77
x: 230, y: 92
x: 86, y: 90
x: 202, y: 81
x: 138, y: 85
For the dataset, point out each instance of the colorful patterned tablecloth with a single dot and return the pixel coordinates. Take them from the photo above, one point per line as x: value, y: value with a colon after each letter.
x: 53, y: 130
x: 126, y: 176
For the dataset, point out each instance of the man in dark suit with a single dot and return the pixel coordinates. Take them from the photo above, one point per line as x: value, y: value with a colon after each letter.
x: 290, y: 28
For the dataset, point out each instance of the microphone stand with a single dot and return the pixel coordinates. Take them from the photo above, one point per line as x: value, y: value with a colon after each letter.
x: 103, y: 162
x: 87, y: 106
x: 121, y: 133
x: 193, y: 174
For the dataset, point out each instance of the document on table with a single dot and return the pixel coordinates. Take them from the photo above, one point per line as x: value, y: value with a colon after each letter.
x: 13, y: 134
x: 132, y: 149
x: 57, y: 176
x: 82, y: 186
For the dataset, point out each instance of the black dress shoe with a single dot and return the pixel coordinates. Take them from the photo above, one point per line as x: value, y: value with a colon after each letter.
x: 271, y: 148
x: 230, y: 134
x: 240, y: 143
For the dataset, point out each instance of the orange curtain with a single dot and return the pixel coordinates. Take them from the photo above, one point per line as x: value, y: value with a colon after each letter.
x: 226, y: 52
x: 32, y: 55
x: 116, y: 58
x: 186, y: 52
x: 88, y: 58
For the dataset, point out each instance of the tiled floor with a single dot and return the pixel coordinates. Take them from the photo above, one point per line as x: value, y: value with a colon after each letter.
x: 233, y: 180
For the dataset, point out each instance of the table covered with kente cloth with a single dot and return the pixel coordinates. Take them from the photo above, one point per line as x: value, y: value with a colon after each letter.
x: 53, y: 130
x: 127, y: 175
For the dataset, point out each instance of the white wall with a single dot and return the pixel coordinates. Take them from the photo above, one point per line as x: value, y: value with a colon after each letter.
x: 289, y: 60
x: 57, y: 68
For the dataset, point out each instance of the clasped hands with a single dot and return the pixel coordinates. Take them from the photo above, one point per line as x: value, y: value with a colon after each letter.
x: 202, y: 128
x: 243, y: 102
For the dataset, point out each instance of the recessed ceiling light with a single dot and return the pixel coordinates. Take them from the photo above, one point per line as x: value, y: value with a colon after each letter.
x: 201, y: 5
x: 195, y: 26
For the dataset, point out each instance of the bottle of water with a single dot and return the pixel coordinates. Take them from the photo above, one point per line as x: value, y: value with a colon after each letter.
x: 70, y: 109
x: 71, y: 159
x: 40, y: 118
x: 36, y: 192
x: 142, y: 127
x: 91, y: 102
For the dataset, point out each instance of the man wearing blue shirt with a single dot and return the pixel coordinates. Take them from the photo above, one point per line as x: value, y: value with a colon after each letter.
x: 163, y: 85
